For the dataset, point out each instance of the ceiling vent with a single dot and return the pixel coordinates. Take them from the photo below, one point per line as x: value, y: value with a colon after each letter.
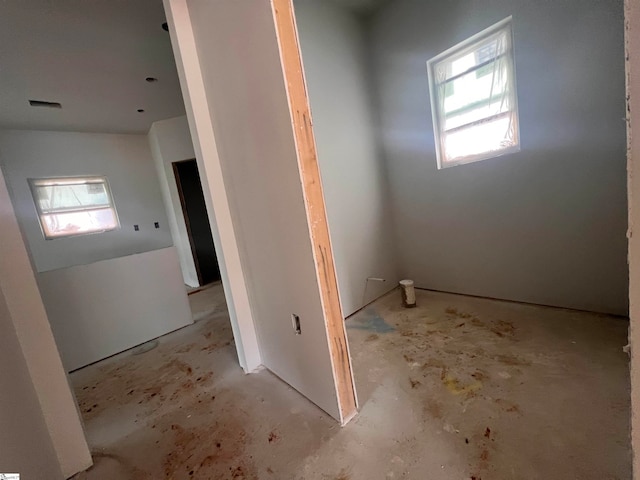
x: 42, y: 103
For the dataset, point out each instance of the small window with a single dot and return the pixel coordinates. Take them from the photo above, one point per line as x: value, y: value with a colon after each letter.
x: 74, y: 206
x: 473, y: 98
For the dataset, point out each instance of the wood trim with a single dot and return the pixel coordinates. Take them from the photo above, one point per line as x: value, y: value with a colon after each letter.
x: 315, y: 206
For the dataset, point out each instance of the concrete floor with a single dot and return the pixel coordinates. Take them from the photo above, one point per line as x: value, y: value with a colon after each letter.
x: 458, y: 388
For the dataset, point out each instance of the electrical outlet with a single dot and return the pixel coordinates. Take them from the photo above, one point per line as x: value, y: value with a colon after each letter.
x: 295, y: 321
x: 156, y: 224
x: 136, y: 228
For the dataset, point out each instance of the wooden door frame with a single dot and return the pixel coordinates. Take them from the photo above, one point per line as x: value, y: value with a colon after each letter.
x: 292, y: 67
x: 632, y: 69
x: 185, y: 214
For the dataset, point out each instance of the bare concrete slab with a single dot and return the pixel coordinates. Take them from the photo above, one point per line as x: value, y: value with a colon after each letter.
x: 497, y: 390
x: 457, y: 388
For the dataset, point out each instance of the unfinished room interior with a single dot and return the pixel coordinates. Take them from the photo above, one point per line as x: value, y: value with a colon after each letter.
x: 319, y: 239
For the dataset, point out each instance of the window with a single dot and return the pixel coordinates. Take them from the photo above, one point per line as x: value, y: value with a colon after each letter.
x: 473, y: 98
x: 74, y: 206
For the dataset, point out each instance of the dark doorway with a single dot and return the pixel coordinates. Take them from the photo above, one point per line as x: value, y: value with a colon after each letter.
x: 195, y: 216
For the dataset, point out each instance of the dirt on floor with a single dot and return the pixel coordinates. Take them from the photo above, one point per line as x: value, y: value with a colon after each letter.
x: 457, y: 388
x: 511, y: 391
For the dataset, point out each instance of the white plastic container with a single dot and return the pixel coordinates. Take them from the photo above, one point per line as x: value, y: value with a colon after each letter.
x: 408, y: 293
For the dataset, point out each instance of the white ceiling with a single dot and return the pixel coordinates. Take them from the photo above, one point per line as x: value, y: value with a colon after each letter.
x: 92, y: 56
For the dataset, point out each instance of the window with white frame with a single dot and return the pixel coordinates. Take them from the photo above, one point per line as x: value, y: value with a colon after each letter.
x: 74, y: 206
x: 473, y: 98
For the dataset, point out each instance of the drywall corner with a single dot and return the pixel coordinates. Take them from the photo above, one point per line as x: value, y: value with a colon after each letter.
x: 26, y: 310
x: 213, y: 185
x: 25, y: 442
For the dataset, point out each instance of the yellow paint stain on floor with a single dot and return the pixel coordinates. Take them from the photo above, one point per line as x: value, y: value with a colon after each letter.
x: 454, y: 386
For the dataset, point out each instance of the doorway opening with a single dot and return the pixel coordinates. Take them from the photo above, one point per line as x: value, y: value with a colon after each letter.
x: 197, y: 221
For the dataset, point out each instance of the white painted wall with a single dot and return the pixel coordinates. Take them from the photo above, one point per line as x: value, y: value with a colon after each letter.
x: 125, y: 160
x: 334, y: 52
x: 41, y: 432
x: 632, y: 34
x: 248, y: 118
x: 170, y: 141
x: 106, y: 307
x: 105, y: 292
x: 213, y: 183
x: 24, y: 430
x: 545, y: 225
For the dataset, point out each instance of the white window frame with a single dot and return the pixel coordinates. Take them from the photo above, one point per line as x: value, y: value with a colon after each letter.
x: 34, y: 183
x: 469, y: 45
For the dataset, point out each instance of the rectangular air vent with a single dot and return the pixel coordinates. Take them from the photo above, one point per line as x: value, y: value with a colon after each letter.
x: 42, y: 103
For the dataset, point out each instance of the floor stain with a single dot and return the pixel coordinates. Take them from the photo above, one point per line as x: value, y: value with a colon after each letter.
x: 454, y: 385
x: 455, y: 312
x: 343, y: 475
x: 369, y: 319
x: 508, y: 406
x: 434, y: 408
x: 508, y: 359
